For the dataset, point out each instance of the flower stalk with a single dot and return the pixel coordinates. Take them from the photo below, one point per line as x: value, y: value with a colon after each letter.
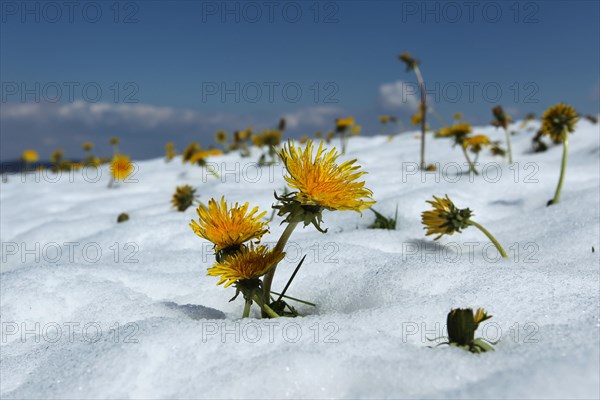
x: 563, y: 168
x: 489, y: 236
x: 285, y: 236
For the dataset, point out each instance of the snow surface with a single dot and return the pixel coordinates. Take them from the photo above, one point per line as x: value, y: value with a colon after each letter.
x: 165, y: 330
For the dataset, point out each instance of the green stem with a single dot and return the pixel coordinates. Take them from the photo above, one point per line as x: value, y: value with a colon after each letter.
x: 471, y: 165
x: 423, y: 114
x: 266, y: 309
x: 295, y: 299
x: 268, y: 281
x: 510, y: 159
x: 563, y: 168
x: 212, y: 171
x: 247, y: 306
x: 489, y: 235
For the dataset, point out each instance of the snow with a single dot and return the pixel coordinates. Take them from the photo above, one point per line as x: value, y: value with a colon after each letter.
x: 79, y: 324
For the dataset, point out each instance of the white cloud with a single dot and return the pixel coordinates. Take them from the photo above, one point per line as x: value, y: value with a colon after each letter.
x: 399, y: 95
x: 313, y: 117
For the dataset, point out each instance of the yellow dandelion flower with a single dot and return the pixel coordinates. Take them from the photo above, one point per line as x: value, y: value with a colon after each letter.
x: 228, y: 227
x: 416, y: 119
x: 29, y: 156
x: 246, y: 264
x: 189, y: 151
x: 322, y: 182
x: 170, y: 151
x: 120, y: 167
x: 183, y: 197
x: 215, y: 152
x: 271, y: 137
x: 445, y: 218
x: 87, y: 146
x: 344, y: 123
x: 221, y: 137
x: 480, y: 316
x: 558, y: 121
x: 355, y: 130
x: 476, y: 143
x: 384, y: 119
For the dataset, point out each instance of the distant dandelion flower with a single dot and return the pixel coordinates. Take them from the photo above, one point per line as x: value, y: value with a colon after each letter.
x: 501, y: 119
x: 458, y: 116
x: 120, y: 167
x: 189, y: 151
x: 247, y: 264
x: 303, y: 139
x: 476, y: 143
x: 87, y: 146
x: 410, y: 62
x: 257, y: 140
x: 558, y: 121
x: 183, y: 197
x: 271, y: 137
x: 57, y: 156
x: 29, y: 156
x: 114, y: 141
x: 221, y: 137
x: 344, y: 123
x: 228, y: 226
x: 416, y: 119
x: 170, y: 152
x: 458, y: 132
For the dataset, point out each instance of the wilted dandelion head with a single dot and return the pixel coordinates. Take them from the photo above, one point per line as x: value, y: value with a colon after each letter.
x: 445, y: 218
x: 410, y: 62
x: 228, y: 226
x: 183, y: 197
x: 476, y: 143
x: 558, y: 121
x: 501, y: 119
x: 29, y: 156
x: 221, y: 137
x: 320, y: 181
x: 87, y: 146
x: 120, y: 167
x: 247, y: 264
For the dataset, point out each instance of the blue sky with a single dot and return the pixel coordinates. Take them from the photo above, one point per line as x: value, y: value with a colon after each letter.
x: 155, y: 71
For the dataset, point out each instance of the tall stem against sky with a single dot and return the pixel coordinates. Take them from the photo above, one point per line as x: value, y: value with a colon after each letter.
x: 423, y: 107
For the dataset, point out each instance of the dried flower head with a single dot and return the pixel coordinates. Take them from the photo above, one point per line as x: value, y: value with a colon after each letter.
x: 228, y: 227
x: 501, y: 119
x: 120, y: 167
x: 445, y: 218
x: 558, y: 121
x: 410, y: 62
x: 476, y: 143
x: 183, y: 197
x: 29, y: 156
x: 247, y: 264
x: 221, y: 137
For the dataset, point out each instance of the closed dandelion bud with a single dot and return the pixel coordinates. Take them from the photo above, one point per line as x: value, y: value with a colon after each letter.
x: 282, y: 124
x: 183, y: 197
x: 461, y: 326
x: 221, y: 137
x: 122, y: 217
